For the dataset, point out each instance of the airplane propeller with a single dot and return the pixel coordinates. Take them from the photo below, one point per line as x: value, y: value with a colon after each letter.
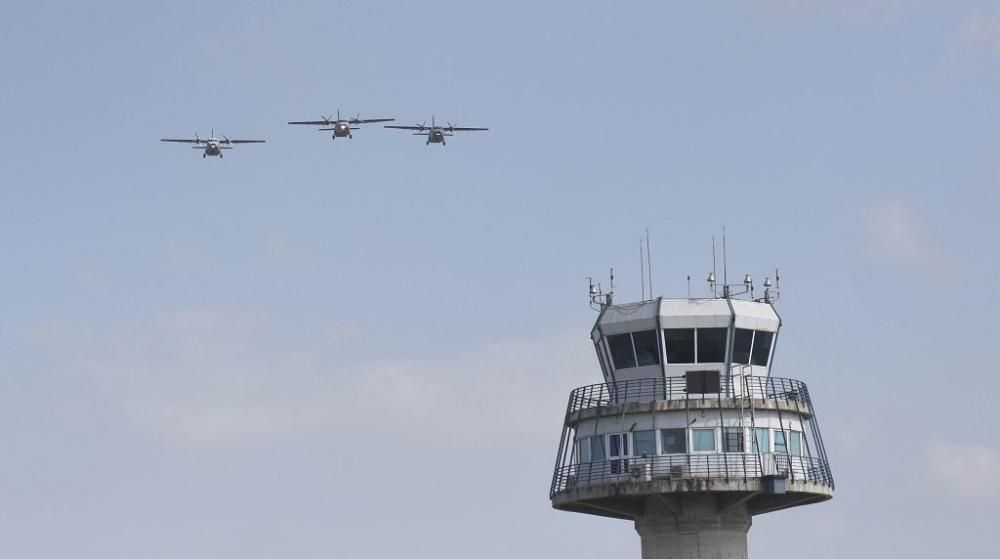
x: 451, y: 127
x: 228, y: 141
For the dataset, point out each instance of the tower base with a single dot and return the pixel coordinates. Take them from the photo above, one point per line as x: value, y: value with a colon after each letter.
x: 693, y: 527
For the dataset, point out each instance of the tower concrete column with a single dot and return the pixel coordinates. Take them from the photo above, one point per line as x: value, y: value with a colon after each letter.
x: 692, y: 527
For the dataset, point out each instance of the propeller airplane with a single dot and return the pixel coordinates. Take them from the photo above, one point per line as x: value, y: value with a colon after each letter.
x: 436, y: 134
x: 212, y: 146
x: 341, y: 127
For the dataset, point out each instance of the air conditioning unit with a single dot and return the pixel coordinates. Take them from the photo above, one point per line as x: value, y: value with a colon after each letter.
x: 640, y: 472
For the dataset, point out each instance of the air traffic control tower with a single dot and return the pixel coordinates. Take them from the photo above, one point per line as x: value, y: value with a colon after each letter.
x: 690, y: 435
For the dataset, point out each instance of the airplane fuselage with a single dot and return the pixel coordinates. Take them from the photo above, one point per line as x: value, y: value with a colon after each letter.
x: 341, y: 130
x: 435, y: 136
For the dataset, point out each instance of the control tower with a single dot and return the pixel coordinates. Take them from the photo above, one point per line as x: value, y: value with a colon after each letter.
x: 690, y: 435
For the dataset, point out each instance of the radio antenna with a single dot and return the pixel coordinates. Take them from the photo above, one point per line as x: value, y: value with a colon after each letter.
x: 642, y: 270
x: 649, y: 265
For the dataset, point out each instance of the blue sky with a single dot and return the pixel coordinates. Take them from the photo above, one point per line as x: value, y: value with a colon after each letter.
x: 310, y: 344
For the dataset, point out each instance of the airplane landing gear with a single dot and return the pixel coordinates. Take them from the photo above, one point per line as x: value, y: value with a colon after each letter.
x: 203, y: 156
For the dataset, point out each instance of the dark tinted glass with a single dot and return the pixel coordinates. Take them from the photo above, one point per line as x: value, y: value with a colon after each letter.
x: 646, y: 350
x: 621, y: 350
x: 680, y: 345
x: 732, y: 439
x: 742, y: 341
x: 761, y: 348
x: 711, y: 345
x: 702, y: 382
x: 673, y: 441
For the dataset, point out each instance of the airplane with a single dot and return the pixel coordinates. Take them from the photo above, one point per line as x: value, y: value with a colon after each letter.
x: 435, y: 134
x: 212, y: 145
x: 340, y: 126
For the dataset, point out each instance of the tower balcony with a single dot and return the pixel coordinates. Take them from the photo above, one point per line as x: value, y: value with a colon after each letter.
x: 754, y: 441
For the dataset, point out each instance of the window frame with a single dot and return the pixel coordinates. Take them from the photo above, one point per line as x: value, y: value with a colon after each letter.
x: 683, y: 439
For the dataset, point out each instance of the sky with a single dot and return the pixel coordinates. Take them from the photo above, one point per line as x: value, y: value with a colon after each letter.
x: 363, y: 348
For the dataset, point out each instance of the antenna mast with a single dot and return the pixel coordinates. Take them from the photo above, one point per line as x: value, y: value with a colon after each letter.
x: 642, y: 270
x: 649, y: 265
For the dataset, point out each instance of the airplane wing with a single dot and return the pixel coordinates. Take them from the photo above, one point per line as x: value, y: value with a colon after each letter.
x: 463, y: 129
x: 406, y: 127
x: 314, y: 122
x: 369, y: 120
x: 182, y: 141
x: 244, y: 142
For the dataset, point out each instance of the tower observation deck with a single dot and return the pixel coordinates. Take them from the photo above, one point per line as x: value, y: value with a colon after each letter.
x: 689, y: 435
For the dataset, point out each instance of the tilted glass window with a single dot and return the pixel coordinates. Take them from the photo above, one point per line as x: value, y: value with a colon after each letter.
x: 779, y: 442
x: 645, y: 443
x: 647, y: 350
x: 732, y: 439
x: 621, y: 350
x: 795, y: 443
x: 761, y: 348
x: 585, y: 450
x: 742, y: 341
x: 762, y: 442
x: 703, y: 440
x: 673, y: 441
x: 680, y: 345
x: 711, y: 345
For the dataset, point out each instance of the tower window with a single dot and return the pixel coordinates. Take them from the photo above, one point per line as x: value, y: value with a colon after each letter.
x: 680, y: 345
x: 635, y: 349
x: 645, y: 443
x: 597, y: 453
x: 673, y: 441
x: 585, y: 450
x: 711, y: 345
x: 779, y: 442
x: 702, y: 382
x: 742, y: 341
x: 795, y: 443
x: 703, y: 440
x: 762, y: 440
x: 621, y: 350
x: 732, y: 439
x: 647, y: 351
x: 761, y: 348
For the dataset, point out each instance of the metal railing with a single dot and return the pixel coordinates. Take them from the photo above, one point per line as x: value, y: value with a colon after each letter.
x: 676, y: 388
x: 729, y: 466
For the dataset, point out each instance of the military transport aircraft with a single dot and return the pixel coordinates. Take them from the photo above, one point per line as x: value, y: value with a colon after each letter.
x: 340, y: 126
x: 212, y: 145
x: 435, y: 134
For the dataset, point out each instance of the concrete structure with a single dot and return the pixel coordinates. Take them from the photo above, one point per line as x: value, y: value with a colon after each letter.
x: 689, y: 436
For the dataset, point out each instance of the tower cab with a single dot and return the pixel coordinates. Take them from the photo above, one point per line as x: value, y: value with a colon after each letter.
x: 709, y: 342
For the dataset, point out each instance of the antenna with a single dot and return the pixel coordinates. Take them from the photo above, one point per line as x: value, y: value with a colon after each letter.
x: 642, y: 270
x: 711, y: 280
x: 649, y: 265
x: 689, y: 287
x: 725, y: 265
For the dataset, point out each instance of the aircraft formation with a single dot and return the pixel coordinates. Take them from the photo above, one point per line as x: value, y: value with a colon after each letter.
x: 341, y: 128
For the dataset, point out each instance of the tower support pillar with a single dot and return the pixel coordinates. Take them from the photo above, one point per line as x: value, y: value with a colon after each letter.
x: 692, y: 527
